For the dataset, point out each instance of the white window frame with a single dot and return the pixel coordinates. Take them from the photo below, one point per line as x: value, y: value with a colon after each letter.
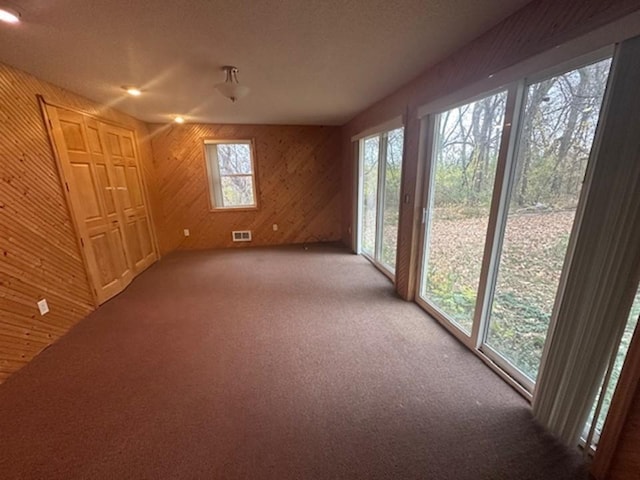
x: 516, y: 90
x: 381, y: 131
x: 214, y: 183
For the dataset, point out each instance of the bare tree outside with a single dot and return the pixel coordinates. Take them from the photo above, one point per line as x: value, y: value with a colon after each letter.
x: 236, y: 175
x: 391, y: 207
x: 556, y: 135
x: 369, y: 200
x: 380, y: 201
x: 465, y: 159
x: 559, y: 123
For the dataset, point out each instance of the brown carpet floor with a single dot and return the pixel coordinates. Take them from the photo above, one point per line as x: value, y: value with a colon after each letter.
x: 267, y: 363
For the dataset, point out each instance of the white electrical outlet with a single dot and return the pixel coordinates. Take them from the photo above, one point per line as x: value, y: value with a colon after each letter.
x: 275, y: 227
x: 43, y: 306
x: 186, y: 232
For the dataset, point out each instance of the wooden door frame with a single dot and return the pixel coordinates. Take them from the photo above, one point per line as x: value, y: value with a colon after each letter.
x: 67, y: 195
x: 43, y: 104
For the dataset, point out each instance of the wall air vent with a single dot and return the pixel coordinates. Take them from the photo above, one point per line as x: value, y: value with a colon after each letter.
x: 241, y: 235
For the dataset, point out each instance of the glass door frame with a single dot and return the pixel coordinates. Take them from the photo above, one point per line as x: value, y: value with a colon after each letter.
x: 380, y: 201
x: 428, y: 130
x: 503, y: 186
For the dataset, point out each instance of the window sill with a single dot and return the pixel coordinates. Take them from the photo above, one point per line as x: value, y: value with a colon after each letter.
x: 233, y: 209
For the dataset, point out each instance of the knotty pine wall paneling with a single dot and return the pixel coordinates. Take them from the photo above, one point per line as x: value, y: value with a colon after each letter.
x: 626, y: 460
x: 539, y: 26
x: 618, y: 454
x: 299, y: 172
x: 39, y: 255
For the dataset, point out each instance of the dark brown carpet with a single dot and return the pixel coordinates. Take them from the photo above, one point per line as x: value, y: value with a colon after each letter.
x: 267, y: 364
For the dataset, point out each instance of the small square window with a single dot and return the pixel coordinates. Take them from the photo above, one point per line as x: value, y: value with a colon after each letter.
x: 231, y: 173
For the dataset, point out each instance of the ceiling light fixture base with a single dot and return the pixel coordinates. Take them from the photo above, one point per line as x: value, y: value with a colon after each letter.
x: 231, y: 87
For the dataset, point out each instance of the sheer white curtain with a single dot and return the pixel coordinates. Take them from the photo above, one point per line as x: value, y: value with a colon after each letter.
x: 601, y: 279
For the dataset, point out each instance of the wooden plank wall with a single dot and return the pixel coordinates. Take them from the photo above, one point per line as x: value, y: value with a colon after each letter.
x: 538, y: 27
x: 618, y: 454
x: 626, y: 459
x: 39, y: 255
x: 299, y: 173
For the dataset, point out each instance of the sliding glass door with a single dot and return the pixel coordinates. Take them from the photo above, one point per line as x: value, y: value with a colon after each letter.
x: 504, y: 183
x: 601, y: 406
x: 464, y: 161
x: 370, y: 167
x: 379, y: 197
x: 557, y: 129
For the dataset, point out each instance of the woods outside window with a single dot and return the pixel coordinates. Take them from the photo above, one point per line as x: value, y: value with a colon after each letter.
x: 231, y: 174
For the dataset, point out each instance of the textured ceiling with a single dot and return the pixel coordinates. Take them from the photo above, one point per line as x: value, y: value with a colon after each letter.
x: 306, y: 62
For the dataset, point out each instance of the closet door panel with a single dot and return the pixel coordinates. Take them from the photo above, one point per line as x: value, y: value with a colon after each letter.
x: 90, y: 188
x: 124, y: 162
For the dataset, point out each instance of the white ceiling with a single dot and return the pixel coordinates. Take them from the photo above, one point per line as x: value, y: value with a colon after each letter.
x: 306, y: 62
